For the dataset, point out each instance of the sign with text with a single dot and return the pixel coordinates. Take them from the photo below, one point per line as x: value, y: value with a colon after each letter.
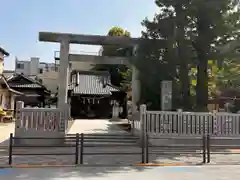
x: 166, y: 95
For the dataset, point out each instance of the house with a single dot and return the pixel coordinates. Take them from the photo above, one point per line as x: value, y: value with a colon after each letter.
x: 21, y: 88
x: 94, y: 94
x: 47, y: 73
x: 34, y: 93
x: 7, y: 94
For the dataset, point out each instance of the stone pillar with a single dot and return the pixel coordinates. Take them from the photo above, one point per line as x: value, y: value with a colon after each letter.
x: 18, y: 125
x: 135, y: 88
x: 63, y: 80
x: 135, y: 81
x: 19, y: 106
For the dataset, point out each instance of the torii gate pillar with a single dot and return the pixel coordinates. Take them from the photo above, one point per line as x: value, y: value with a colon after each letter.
x: 136, y: 87
x: 63, y: 81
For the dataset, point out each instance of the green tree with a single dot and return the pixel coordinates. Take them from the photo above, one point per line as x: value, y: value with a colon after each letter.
x: 192, y: 38
x: 209, y: 28
x: 118, y: 73
x: 175, y: 54
x: 156, y: 59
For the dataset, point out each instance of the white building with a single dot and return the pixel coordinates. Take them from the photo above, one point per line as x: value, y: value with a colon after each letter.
x: 47, y: 73
x: 34, y: 67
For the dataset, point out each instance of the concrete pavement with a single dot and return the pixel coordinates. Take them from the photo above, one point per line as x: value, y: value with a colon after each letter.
x: 5, y: 130
x: 102, y: 126
x: 119, y: 173
x: 94, y: 126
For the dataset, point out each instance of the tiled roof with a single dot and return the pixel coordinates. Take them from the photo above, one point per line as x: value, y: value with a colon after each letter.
x: 25, y: 85
x: 92, y: 84
x: 32, y: 83
x: 3, y: 80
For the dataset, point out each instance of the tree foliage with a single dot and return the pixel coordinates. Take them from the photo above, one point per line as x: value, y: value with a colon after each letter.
x: 117, y: 72
x: 194, y: 32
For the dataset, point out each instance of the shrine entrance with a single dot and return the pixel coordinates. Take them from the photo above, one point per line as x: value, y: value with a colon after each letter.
x: 65, y: 39
x: 87, y: 107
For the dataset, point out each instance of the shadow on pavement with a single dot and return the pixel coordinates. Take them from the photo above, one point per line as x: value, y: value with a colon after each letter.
x: 101, y: 164
x: 64, y: 173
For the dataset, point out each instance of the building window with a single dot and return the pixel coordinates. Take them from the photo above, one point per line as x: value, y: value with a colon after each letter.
x: 19, y: 66
x: 40, y: 71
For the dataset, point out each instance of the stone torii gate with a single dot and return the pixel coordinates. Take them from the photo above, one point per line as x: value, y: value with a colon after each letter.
x: 65, y: 39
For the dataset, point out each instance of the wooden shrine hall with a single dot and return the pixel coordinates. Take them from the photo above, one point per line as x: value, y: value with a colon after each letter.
x: 93, y: 97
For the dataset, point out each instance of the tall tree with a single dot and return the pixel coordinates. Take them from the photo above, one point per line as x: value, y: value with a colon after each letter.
x: 209, y: 27
x: 156, y: 60
x: 170, y: 25
x: 192, y: 37
x: 181, y: 8
x: 117, y: 72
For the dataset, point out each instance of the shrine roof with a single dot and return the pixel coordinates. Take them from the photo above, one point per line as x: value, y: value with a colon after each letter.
x: 91, y: 83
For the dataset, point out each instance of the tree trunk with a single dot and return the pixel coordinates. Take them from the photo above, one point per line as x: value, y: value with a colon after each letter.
x: 202, y: 84
x: 183, y: 58
x: 202, y: 47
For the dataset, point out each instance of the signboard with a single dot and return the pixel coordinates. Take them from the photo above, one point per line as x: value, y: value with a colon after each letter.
x: 166, y: 95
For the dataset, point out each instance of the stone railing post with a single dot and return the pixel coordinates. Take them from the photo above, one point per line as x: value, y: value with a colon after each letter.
x: 215, y: 123
x: 18, y: 124
x: 179, y: 119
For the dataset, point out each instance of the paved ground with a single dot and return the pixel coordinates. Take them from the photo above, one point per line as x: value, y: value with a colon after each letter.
x: 94, y: 126
x: 102, y: 126
x: 113, y: 173
x: 5, y: 130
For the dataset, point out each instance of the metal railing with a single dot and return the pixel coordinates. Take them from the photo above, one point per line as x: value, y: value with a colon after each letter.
x: 81, y: 146
x: 177, y: 149
x: 223, y: 146
x: 79, y: 142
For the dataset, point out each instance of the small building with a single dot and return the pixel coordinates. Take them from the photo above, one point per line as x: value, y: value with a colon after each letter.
x: 21, y: 88
x: 7, y: 94
x: 34, y: 93
x: 94, y: 95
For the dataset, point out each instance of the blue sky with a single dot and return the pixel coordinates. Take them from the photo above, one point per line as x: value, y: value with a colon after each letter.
x: 21, y: 20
